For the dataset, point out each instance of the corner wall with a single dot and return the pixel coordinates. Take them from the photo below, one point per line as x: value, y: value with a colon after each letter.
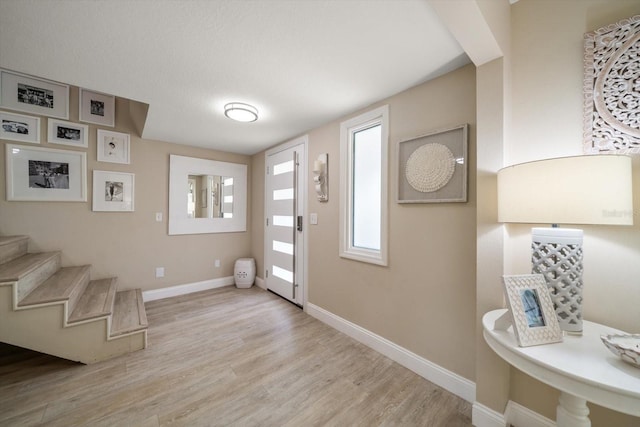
x: 129, y: 245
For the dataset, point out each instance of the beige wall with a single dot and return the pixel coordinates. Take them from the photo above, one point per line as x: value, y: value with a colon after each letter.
x: 425, y: 299
x: 127, y: 245
x: 547, y: 42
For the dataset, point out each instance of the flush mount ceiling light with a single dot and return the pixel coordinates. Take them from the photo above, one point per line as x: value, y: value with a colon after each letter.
x: 241, y: 112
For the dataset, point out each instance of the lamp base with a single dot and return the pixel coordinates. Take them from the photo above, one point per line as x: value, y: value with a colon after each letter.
x: 556, y: 253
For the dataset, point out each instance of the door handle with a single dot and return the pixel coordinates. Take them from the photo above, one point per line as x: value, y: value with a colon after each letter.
x: 299, y: 223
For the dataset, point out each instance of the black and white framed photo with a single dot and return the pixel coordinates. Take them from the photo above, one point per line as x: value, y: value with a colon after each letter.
x: 33, y: 95
x: 97, y: 108
x: 45, y: 174
x: 67, y: 133
x: 113, y: 147
x: 432, y: 168
x: 533, y: 316
x: 17, y: 127
x: 113, y: 191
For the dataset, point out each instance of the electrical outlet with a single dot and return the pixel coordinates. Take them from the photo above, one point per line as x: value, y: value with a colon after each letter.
x: 159, y: 272
x: 217, y: 263
x: 159, y: 216
x: 313, y: 219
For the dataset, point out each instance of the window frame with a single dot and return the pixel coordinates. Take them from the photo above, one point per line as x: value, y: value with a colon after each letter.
x: 348, y: 128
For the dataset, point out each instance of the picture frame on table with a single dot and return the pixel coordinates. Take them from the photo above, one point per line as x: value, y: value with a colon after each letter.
x: 532, y: 314
x: 433, y: 168
x: 113, y: 147
x: 33, y: 95
x: 97, y: 108
x: 45, y: 174
x: 67, y: 133
x: 18, y: 127
x: 113, y: 191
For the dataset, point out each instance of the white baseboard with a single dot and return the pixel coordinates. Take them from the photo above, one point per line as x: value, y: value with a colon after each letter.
x: 483, y: 416
x: 188, y: 288
x: 446, y: 379
x: 521, y: 416
x: 260, y: 283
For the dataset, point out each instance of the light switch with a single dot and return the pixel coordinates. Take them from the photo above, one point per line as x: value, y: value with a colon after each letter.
x: 159, y: 216
x: 159, y: 272
x: 313, y: 219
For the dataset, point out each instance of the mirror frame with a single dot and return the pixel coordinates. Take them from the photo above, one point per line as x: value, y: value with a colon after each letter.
x: 180, y: 167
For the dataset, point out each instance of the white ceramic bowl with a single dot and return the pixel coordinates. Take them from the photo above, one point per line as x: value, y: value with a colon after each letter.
x: 625, y: 346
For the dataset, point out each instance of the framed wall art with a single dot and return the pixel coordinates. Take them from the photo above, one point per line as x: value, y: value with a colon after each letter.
x: 67, y: 133
x: 33, y: 95
x: 432, y: 168
x: 611, y: 90
x: 113, y: 191
x: 533, y: 316
x: 113, y: 147
x: 97, y: 108
x: 17, y: 127
x: 45, y: 174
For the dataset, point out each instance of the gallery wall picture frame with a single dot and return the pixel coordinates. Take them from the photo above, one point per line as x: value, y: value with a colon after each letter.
x: 97, y: 108
x: 113, y: 147
x: 33, y: 95
x: 67, y: 133
x: 45, y: 174
x: 113, y: 191
x: 18, y: 127
x: 532, y: 314
x: 432, y: 168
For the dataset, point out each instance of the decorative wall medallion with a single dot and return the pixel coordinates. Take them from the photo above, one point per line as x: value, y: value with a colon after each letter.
x: 612, y: 89
x: 430, y: 167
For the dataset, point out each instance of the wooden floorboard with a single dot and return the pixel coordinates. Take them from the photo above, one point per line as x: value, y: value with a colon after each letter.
x: 226, y: 357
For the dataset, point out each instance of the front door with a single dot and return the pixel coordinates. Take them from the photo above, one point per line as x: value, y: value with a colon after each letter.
x: 285, y: 184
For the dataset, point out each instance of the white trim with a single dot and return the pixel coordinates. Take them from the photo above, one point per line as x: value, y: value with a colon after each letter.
x: 521, y: 416
x: 173, y: 291
x: 438, y: 375
x: 376, y: 116
x: 483, y: 416
x: 260, y: 283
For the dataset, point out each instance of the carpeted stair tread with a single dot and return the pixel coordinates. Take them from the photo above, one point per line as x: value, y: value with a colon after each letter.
x: 16, y: 269
x: 96, y: 301
x: 59, y: 287
x: 128, y: 313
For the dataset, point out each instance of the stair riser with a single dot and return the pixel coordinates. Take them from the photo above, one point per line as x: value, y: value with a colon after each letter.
x: 13, y: 250
x: 37, y: 276
x: 77, y: 292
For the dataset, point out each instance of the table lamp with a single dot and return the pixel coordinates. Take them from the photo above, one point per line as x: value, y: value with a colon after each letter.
x: 594, y: 189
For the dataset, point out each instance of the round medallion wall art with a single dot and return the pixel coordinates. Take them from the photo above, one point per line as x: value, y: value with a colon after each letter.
x: 430, y: 167
x: 612, y: 89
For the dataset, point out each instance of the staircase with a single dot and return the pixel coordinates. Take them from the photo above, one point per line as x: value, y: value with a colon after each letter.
x: 60, y: 311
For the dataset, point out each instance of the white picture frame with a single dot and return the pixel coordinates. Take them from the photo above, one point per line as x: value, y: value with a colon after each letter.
x: 67, y: 133
x: 33, y: 95
x: 532, y: 314
x: 97, y: 108
x: 113, y: 147
x: 18, y: 127
x: 113, y: 191
x: 45, y: 174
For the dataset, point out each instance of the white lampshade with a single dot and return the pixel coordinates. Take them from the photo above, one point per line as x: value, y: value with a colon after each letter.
x: 593, y: 189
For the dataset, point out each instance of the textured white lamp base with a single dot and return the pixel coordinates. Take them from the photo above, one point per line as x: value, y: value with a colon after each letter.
x: 556, y: 253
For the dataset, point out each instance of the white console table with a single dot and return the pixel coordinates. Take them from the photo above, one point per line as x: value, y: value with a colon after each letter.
x: 580, y: 367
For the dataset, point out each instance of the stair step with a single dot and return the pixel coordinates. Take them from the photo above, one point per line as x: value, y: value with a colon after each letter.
x: 128, y: 313
x: 68, y: 283
x: 16, y: 269
x: 96, y: 301
x: 12, y: 247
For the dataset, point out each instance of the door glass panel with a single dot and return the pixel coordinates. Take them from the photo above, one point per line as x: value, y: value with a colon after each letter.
x: 284, y: 194
x: 283, y: 220
x: 285, y: 248
x: 285, y: 275
x: 367, y: 185
x: 283, y: 167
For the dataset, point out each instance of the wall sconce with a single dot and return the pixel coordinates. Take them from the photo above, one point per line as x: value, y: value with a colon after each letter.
x: 321, y: 177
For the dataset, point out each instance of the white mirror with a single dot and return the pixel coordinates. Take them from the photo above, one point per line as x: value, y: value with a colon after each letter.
x: 206, y: 196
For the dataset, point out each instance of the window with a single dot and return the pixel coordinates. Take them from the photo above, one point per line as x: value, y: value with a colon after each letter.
x: 363, y: 187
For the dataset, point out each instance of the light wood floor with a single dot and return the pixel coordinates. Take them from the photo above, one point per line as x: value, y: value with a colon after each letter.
x: 240, y: 357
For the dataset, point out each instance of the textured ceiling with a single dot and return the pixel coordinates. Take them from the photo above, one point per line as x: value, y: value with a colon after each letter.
x: 301, y: 63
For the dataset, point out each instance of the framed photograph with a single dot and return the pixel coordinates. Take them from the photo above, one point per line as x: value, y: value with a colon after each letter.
x: 113, y: 147
x: 45, y: 174
x: 16, y: 127
x: 533, y: 317
x: 32, y: 95
x: 97, y: 108
x: 67, y: 133
x: 113, y: 191
x: 432, y: 168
